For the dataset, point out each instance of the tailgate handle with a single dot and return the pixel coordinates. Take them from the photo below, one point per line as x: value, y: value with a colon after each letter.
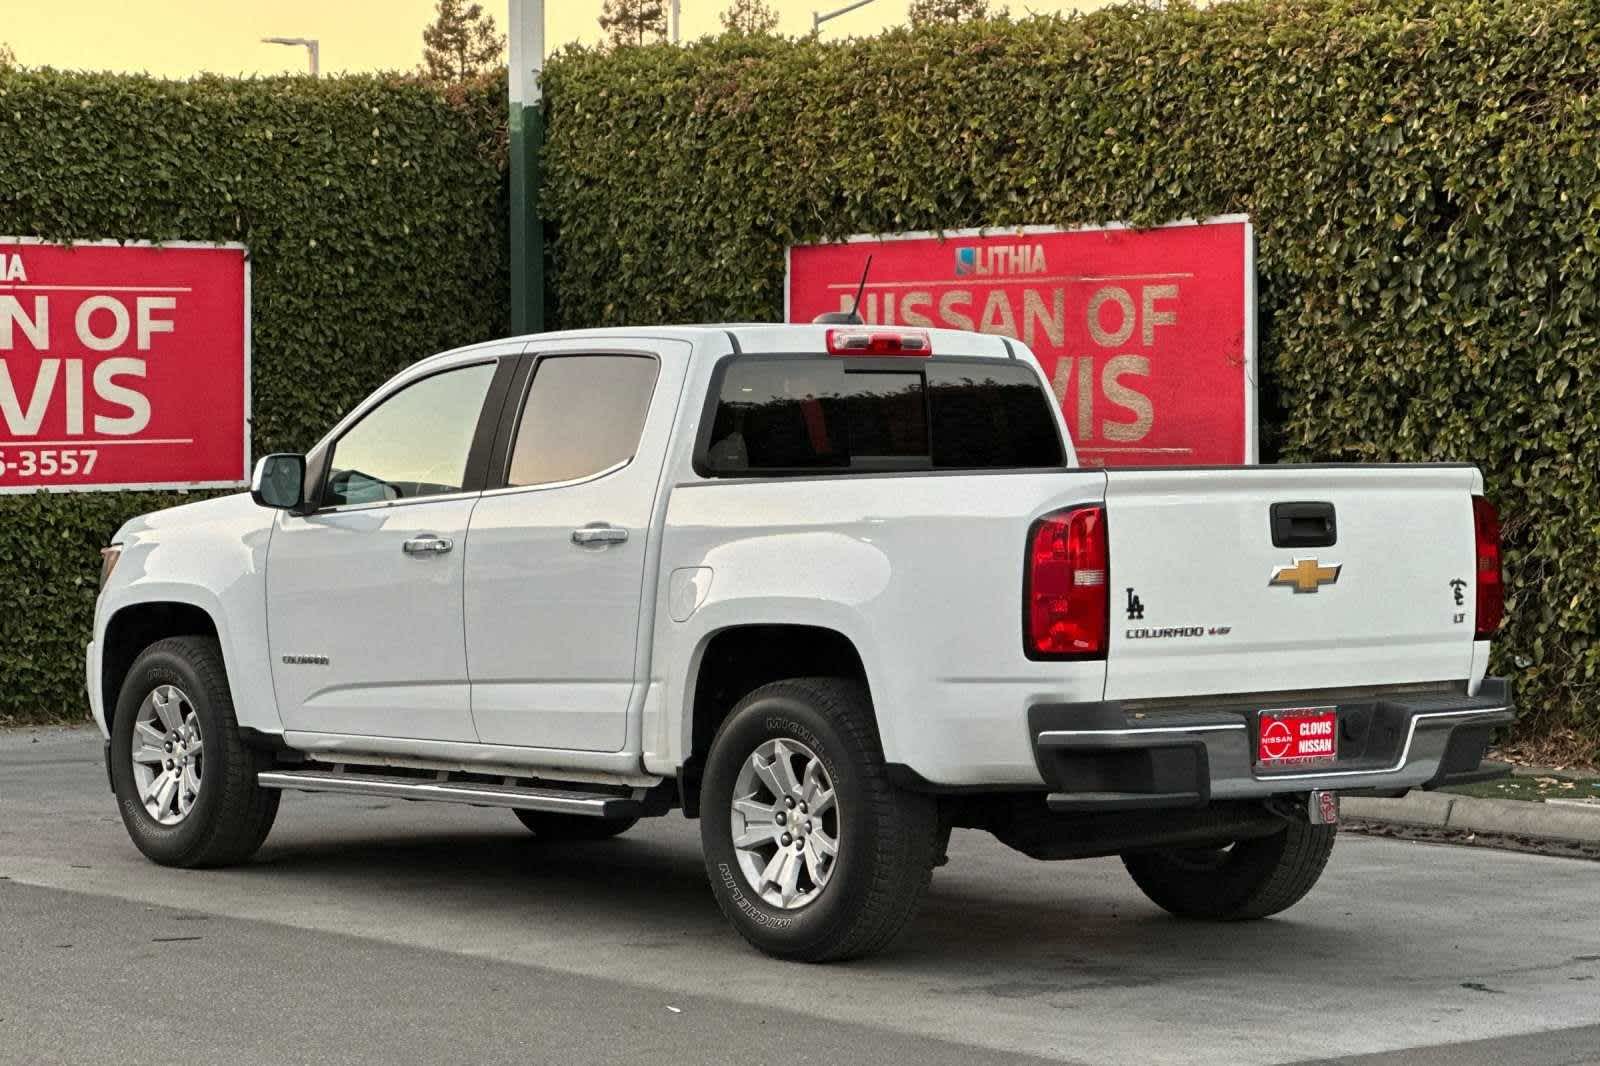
x: 1303, y: 525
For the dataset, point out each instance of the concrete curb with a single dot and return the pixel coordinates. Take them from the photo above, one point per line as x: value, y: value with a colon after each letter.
x: 1441, y: 810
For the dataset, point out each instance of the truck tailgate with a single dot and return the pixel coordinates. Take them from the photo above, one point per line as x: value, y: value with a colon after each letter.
x: 1204, y: 602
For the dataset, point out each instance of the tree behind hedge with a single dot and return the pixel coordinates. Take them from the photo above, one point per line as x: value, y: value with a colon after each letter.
x: 748, y: 16
x: 932, y: 12
x: 633, y: 22
x: 461, y: 42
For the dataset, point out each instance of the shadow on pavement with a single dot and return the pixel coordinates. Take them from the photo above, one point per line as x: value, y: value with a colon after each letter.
x: 1096, y: 932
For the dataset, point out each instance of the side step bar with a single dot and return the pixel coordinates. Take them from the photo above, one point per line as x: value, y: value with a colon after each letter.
x: 477, y: 793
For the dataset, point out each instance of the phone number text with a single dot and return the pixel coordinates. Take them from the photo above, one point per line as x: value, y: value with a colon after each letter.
x: 47, y: 462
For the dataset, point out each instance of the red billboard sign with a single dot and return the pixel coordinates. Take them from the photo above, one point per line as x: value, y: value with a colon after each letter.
x: 1147, y: 336
x: 123, y: 366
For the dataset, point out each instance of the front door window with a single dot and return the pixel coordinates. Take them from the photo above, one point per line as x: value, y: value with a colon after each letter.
x: 413, y: 444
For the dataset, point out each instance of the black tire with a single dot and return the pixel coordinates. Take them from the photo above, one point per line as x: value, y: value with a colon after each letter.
x: 232, y: 814
x: 1253, y: 879
x: 887, y: 838
x: 548, y: 826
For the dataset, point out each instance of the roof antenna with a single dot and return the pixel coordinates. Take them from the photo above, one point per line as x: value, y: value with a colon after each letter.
x: 852, y: 316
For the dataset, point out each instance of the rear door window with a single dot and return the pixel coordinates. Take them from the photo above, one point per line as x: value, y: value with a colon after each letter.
x: 822, y: 414
x: 583, y: 416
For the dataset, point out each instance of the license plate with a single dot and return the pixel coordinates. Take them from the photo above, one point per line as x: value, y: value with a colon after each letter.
x: 1297, y: 736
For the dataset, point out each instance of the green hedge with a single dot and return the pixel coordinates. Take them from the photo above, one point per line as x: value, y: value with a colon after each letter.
x: 373, y: 209
x: 1424, y: 176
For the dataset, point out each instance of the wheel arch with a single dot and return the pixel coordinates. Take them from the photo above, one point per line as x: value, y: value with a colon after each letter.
x: 134, y: 628
x: 736, y: 660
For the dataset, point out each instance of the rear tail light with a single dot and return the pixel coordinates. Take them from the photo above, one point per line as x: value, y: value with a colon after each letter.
x: 879, y: 342
x: 1065, y: 596
x: 1490, y: 588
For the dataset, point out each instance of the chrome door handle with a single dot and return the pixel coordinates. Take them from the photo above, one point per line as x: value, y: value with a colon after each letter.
x: 427, y: 545
x: 599, y: 534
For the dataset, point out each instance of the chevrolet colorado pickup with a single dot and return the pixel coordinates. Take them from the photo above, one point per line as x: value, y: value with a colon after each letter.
x: 833, y: 590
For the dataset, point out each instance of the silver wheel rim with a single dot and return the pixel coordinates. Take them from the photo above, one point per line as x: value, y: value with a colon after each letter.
x: 168, y: 754
x: 785, y: 822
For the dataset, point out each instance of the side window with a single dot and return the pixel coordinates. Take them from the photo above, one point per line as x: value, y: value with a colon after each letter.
x: 584, y: 414
x: 413, y: 444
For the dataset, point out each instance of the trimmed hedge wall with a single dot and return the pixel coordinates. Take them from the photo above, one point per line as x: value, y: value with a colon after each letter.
x: 1424, y: 176
x: 374, y: 212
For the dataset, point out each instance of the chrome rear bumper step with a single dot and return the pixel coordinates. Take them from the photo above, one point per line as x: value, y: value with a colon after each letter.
x: 477, y: 793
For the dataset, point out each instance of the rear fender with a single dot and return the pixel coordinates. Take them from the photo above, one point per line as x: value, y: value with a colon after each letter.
x: 715, y: 619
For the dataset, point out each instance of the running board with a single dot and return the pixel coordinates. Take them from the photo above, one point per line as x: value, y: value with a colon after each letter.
x: 477, y: 793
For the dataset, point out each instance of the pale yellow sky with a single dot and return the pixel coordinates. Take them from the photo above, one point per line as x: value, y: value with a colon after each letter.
x: 177, y: 38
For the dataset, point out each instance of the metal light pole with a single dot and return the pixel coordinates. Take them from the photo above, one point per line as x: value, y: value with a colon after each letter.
x: 677, y: 19
x: 311, y: 46
x: 526, y: 24
x: 819, y: 17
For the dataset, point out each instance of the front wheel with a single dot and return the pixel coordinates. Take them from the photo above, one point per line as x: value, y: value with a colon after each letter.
x: 812, y: 853
x: 185, y: 783
x: 1249, y: 879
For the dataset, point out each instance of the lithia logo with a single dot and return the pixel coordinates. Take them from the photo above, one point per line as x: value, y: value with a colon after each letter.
x: 988, y: 260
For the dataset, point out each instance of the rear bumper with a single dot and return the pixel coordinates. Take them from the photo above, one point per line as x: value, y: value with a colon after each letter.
x: 1101, y: 756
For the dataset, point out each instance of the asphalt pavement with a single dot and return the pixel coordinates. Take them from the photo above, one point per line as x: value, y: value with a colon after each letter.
x: 383, y: 931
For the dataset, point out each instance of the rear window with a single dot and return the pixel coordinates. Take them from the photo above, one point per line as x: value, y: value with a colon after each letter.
x: 824, y: 414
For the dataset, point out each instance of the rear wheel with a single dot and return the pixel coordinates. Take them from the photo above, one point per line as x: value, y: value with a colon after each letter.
x: 811, y: 852
x: 1249, y: 879
x: 548, y: 826
x: 185, y: 784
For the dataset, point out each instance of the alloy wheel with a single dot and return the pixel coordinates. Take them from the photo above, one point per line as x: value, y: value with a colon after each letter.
x: 168, y: 754
x: 785, y: 822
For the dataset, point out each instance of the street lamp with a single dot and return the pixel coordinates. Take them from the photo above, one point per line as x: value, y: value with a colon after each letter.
x: 309, y: 43
x: 819, y: 17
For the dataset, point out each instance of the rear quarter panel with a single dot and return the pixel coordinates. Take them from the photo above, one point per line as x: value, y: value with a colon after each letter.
x: 923, y: 573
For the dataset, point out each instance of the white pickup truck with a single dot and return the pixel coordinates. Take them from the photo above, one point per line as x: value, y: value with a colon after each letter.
x: 833, y: 590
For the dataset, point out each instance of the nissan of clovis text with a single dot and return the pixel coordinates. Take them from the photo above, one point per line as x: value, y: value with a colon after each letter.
x: 834, y: 590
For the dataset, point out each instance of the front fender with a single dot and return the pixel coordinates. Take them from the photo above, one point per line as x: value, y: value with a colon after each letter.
x: 210, y: 556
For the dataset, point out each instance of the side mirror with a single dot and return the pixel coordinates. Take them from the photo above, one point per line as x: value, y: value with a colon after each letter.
x: 279, y: 481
